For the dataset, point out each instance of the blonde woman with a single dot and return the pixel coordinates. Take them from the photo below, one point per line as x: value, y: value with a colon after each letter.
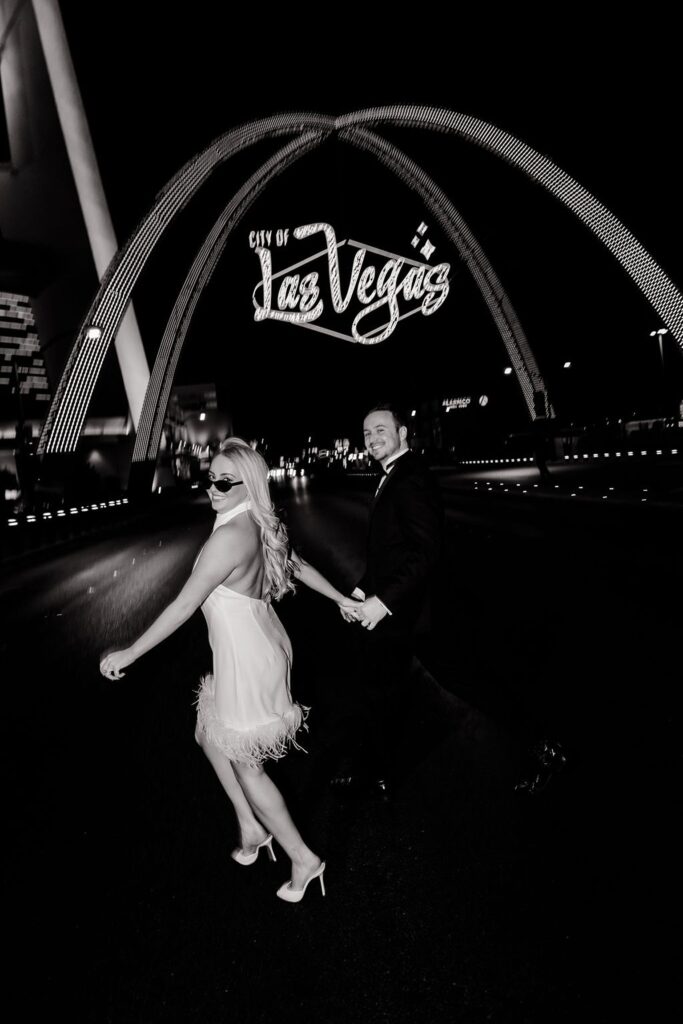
x: 245, y: 712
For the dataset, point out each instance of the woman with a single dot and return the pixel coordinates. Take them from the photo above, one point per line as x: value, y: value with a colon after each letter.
x: 245, y: 714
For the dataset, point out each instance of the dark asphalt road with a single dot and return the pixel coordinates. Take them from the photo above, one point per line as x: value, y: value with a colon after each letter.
x: 459, y: 901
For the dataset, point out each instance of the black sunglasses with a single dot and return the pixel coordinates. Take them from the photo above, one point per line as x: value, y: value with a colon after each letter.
x: 221, y: 485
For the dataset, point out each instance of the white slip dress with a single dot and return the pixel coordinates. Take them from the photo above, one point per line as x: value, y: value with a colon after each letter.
x: 245, y: 707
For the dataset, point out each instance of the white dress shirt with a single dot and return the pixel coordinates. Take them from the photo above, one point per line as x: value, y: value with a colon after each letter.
x: 387, y: 469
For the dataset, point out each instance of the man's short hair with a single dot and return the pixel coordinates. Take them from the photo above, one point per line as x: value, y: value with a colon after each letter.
x: 399, y: 415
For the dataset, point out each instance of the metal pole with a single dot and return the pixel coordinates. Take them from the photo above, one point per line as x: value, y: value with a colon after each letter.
x: 101, y: 235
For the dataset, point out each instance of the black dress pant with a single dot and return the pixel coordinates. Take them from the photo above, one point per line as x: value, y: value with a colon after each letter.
x: 380, y: 697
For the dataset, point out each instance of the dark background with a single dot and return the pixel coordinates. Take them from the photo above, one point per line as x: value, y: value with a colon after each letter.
x: 459, y: 901
x: 603, y: 106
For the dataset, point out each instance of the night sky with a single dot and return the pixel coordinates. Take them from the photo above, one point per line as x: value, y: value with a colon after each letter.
x: 157, y: 92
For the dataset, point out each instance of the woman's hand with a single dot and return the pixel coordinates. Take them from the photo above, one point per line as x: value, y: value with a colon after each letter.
x: 112, y: 664
x: 349, y: 609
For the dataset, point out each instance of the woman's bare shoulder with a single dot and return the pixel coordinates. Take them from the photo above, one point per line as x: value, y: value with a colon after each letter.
x: 241, y: 532
x: 226, y: 539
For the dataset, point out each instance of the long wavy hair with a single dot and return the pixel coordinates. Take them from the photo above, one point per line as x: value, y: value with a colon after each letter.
x: 253, y: 470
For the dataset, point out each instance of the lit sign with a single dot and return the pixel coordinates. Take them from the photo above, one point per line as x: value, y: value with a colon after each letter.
x: 456, y: 403
x: 384, y: 288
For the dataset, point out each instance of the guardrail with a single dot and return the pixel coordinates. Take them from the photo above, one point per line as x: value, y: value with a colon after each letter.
x: 621, y: 453
x: 24, y: 533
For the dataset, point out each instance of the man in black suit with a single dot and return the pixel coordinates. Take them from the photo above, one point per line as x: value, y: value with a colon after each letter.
x: 403, y: 553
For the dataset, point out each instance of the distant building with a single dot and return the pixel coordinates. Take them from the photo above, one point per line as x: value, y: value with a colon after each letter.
x: 196, y: 420
x: 56, y: 238
x: 24, y: 385
x: 24, y: 389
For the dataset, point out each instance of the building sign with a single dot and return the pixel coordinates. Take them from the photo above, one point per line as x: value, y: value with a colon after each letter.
x: 363, y: 304
x: 456, y: 403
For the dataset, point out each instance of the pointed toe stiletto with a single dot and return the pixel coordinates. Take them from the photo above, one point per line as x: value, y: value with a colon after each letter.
x: 285, y: 892
x: 248, y: 858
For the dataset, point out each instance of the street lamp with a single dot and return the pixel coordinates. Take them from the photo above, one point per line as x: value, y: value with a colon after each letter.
x: 661, y: 332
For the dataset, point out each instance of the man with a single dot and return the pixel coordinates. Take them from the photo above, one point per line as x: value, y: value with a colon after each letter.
x: 403, y: 552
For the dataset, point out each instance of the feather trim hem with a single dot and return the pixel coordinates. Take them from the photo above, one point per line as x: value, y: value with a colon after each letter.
x: 248, y: 746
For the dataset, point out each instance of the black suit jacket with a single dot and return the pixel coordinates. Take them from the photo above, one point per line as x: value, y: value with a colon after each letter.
x: 405, y: 538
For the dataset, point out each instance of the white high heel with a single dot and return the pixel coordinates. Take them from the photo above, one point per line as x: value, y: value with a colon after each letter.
x: 248, y: 858
x: 285, y: 892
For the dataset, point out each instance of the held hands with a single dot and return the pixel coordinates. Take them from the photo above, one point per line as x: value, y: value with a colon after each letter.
x: 349, y: 609
x: 112, y: 664
x: 369, y: 612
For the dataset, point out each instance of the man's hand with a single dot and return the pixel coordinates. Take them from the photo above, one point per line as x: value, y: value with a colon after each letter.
x: 371, y: 612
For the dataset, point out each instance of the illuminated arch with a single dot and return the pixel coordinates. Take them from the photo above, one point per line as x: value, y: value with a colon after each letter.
x: 151, y: 423
x: 657, y: 288
x: 68, y: 407
x: 153, y: 412
x: 67, y: 412
x: 457, y: 230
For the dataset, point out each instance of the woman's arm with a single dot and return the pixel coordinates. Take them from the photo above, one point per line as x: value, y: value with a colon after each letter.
x: 310, y: 577
x: 218, y: 558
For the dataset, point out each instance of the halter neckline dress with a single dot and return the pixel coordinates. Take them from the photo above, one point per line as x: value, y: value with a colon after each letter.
x: 245, y: 706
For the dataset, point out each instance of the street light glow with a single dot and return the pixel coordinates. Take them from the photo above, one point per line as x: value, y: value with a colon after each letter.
x: 660, y: 334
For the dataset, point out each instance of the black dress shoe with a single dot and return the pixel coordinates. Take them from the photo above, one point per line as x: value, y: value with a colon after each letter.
x: 348, y: 778
x: 549, y: 758
x: 344, y: 780
x: 354, y: 781
x: 383, y: 789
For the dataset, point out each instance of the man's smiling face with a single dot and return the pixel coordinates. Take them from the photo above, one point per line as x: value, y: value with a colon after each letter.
x: 382, y: 435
